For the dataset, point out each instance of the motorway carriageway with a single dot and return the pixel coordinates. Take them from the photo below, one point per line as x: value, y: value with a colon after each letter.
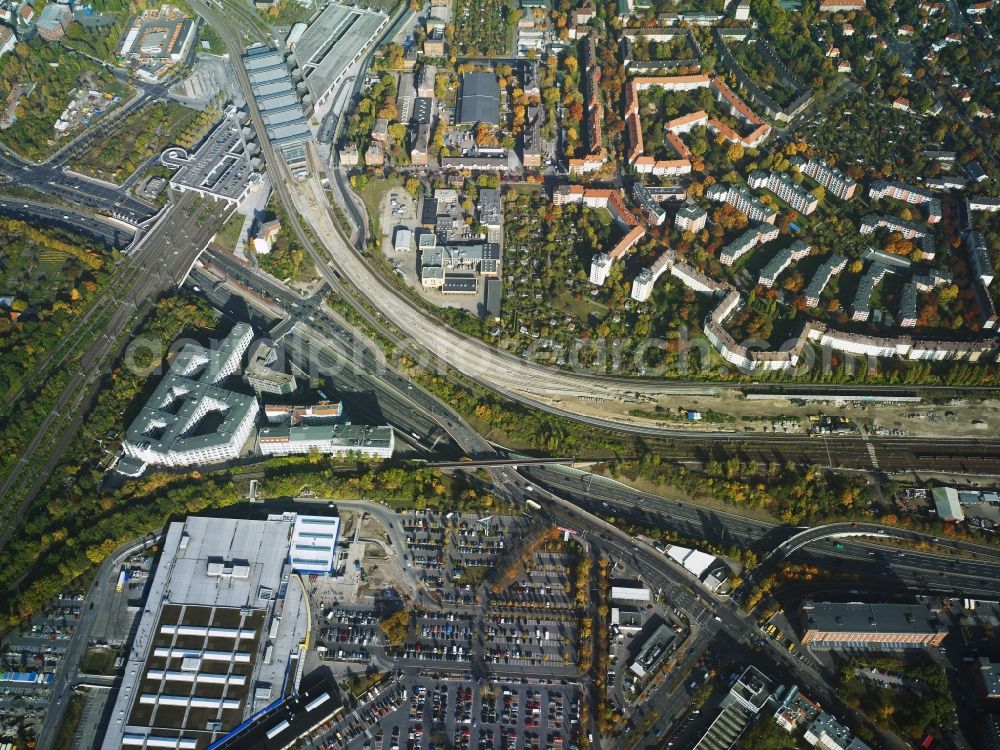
x: 85, y: 225
x: 947, y: 573
x: 372, y: 393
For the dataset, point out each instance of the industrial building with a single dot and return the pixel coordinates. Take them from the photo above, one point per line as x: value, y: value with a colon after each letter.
x: 334, y: 41
x: 157, y: 39
x: 947, y: 504
x: 858, y: 625
x: 708, y: 569
x: 190, y: 419
x: 629, y: 591
x: 219, y: 638
x: 314, y: 544
x: 479, y: 99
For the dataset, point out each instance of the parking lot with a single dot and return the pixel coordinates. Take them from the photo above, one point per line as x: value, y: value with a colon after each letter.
x: 347, y: 633
x: 466, y: 715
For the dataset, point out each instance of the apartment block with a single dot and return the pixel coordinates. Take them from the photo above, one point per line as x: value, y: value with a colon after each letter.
x: 740, y: 198
x: 782, y: 260
x: 691, y: 218
x: 746, y: 242
x: 832, y: 179
x: 783, y: 186
x: 912, y: 194
x: 830, y: 268
x: 979, y: 258
x: 861, y: 306
x: 642, y: 285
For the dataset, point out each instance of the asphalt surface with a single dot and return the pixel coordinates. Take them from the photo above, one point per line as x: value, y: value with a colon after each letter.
x: 83, y: 224
x: 53, y: 180
x: 945, y: 572
x: 318, y: 336
x: 67, y: 676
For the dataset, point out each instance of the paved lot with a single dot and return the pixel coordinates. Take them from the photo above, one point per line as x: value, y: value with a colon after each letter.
x: 464, y: 714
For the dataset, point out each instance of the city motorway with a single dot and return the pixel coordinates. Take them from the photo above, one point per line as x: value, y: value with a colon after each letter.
x: 353, y: 365
x: 952, y: 570
x: 320, y: 342
x: 53, y: 180
x: 159, y: 261
x: 86, y: 225
x: 711, y: 614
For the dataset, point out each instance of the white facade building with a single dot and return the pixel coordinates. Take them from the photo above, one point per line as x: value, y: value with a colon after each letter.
x: 600, y: 267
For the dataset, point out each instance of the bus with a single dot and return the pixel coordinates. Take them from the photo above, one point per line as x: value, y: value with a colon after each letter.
x: 122, y: 577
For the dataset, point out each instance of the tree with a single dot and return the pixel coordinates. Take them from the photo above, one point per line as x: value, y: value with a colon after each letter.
x: 948, y: 294
x: 397, y: 131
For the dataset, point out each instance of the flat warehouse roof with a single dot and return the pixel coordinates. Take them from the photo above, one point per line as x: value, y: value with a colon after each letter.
x: 859, y: 617
x: 479, y: 99
x: 314, y: 543
x: 279, y: 99
x: 264, y: 90
x: 193, y: 665
x: 331, y: 43
x: 266, y: 76
x: 281, y: 116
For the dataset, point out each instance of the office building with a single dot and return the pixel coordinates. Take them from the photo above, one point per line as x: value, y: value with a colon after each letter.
x: 795, y: 711
x: 857, y: 625
x: 262, y: 375
x: 653, y: 651
x: 190, y: 419
x: 303, y: 429
x: 826, y: 733
x: 749, y: 695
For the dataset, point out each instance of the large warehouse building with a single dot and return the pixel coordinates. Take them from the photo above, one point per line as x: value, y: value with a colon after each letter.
x: 857, y: 625
x: 479, y: 99
x: 332, y: 44
x: 219, y: 636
